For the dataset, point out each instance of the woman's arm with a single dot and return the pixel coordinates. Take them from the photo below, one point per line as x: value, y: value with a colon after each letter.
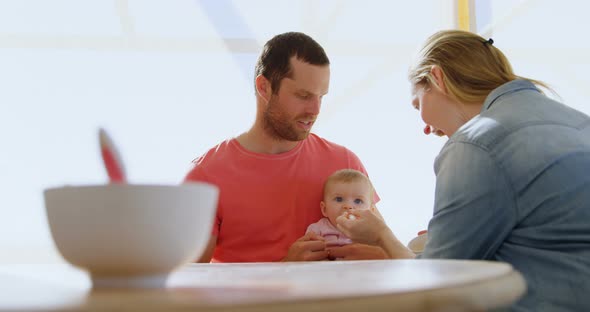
x: 369, y: 228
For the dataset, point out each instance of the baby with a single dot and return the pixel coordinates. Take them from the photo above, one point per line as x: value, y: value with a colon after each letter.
x: 345, y: 191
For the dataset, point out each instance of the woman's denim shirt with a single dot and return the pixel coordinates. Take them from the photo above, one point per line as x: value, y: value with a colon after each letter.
x: 513, y: 185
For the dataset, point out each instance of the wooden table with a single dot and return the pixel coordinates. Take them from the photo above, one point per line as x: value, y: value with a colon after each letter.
x: 384, y: 285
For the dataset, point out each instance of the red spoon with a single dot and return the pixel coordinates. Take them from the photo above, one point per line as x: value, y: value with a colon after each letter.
x: 111, y: 158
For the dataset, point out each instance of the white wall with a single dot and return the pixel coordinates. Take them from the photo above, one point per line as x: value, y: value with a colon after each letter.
x: 169, y: 79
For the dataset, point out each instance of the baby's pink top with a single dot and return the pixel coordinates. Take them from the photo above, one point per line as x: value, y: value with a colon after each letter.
x: 329, y: 232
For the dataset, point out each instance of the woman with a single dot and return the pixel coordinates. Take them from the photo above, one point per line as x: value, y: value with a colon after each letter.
x: 513, y: 180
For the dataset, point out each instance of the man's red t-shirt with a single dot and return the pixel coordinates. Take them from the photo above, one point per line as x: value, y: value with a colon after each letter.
x: 266, y: 202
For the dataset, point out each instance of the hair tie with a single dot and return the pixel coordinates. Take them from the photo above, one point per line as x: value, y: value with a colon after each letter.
x: 490, y: 41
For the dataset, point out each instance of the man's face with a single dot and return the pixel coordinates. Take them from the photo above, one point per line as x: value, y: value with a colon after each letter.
x: 291, y: 113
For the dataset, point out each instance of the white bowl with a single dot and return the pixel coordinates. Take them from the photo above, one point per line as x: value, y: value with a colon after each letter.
x: 131, y: 235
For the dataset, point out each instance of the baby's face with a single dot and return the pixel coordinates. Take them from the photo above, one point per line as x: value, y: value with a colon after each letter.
x: 341, y: 197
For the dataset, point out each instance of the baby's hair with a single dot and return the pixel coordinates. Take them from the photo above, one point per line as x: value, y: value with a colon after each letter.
x: 347, y: 176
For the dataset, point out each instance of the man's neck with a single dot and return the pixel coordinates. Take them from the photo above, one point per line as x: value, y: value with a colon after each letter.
x: 257, y: 141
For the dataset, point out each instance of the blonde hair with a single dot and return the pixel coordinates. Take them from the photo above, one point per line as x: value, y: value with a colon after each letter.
x: 347, y: 176
x: 472, y: 66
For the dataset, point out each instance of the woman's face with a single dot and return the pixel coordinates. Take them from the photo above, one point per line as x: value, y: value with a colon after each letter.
x: 430, y: 101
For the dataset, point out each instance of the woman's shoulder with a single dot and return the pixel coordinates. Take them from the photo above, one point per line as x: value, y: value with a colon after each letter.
x: 482, y: 131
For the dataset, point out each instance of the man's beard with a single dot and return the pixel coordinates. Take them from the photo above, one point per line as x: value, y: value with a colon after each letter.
x: 278, y: 125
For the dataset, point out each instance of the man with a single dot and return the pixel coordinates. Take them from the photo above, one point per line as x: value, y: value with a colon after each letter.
x: 271, y: 177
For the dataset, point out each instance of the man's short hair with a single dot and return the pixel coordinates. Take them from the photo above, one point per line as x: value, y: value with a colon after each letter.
x: 274, y: 61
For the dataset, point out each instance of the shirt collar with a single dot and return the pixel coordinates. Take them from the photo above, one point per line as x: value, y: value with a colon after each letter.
x: 509, y: 87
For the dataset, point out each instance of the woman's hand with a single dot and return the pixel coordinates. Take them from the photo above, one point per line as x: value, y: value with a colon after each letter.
x: 367, y: 226
x: 356, y: 251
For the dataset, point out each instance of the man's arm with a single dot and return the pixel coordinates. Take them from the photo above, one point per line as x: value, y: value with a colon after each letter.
x: 209, y: 249
x: 196, y: 174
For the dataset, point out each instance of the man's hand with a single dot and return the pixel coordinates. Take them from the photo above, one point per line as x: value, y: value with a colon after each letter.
x: 357, y: 251
x: 310, y: 247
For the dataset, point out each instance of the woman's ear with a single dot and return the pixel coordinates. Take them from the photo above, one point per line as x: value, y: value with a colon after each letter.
x: 263, y: 87
x: 323, y: 208
x: 438, y: 78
